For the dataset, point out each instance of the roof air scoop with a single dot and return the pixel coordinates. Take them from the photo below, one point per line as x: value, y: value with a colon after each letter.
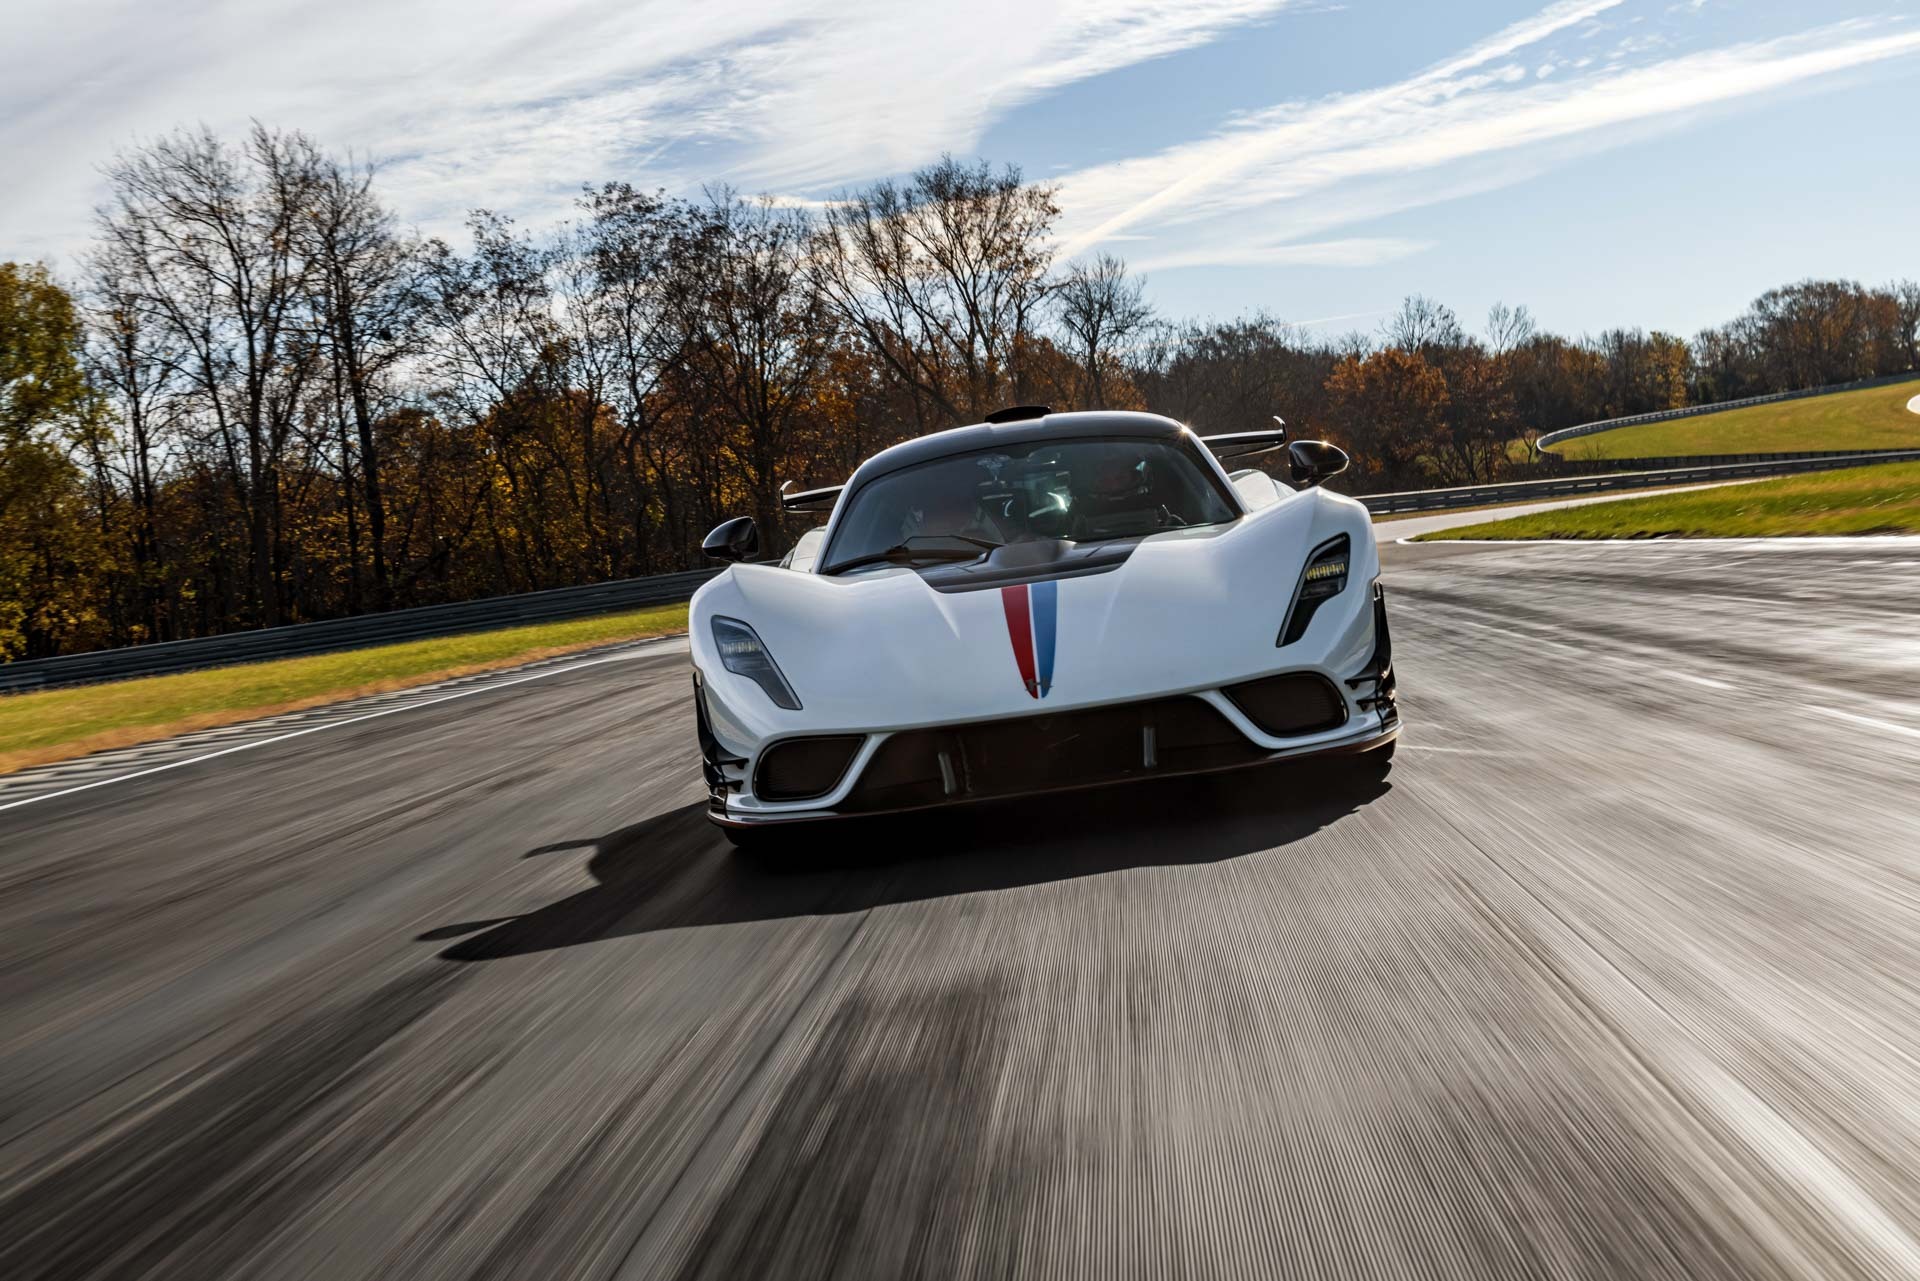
x: 1018, y: 413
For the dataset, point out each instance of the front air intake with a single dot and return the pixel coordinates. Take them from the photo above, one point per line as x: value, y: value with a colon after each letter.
x: 798, y: 769
x: 1290, y: 705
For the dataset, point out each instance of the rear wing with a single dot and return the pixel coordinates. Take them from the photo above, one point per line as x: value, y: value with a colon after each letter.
x: 810, y: 500
x: 1245, y: 444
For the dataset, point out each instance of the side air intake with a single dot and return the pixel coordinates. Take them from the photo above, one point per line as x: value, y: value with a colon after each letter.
x: 1290, y: 705
x: 798, y: 769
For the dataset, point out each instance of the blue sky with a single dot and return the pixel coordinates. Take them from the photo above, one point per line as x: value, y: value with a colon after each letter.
x: 1652, y: 162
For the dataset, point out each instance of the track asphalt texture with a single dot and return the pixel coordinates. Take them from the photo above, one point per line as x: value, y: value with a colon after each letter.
x: 1614, y: 974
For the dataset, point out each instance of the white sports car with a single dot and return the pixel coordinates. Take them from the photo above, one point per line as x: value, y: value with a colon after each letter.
x: 1039, y: 602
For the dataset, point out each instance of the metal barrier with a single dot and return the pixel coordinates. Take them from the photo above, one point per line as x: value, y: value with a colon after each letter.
x: 332, y: 634
x: 1423, y: 500
x: 1552, y: 465
x: 1553, y: 438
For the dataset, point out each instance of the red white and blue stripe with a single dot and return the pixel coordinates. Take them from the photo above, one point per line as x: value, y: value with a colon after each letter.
x: 1033, y: 611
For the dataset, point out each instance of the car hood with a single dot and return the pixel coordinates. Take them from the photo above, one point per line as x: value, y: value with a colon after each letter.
x: 891, y: 648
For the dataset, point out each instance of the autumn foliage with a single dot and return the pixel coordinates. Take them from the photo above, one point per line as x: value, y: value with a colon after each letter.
x: 262, y: 401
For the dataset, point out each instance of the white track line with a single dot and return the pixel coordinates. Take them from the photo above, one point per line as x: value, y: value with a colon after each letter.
x: 314, y: 729
x: 1872, y: 722
x: 1809, y: 541
x: 1436, y: 522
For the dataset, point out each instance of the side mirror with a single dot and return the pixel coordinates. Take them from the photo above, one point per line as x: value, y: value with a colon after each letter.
x: 1312, y: 461
x: 736, y: 539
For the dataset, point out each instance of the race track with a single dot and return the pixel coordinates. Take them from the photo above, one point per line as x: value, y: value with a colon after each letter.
x: 1617, y: 974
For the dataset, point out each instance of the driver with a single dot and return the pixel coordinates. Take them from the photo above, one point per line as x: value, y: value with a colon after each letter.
x: 1116, y: 498
x: 954, y: 511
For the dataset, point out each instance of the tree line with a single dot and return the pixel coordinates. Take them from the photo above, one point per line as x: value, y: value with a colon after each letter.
x: 264, y: 400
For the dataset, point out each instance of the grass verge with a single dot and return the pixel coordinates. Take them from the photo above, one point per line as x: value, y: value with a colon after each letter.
x: 60, y: 724
x: 1883, y: 499
x: 1874, y: 418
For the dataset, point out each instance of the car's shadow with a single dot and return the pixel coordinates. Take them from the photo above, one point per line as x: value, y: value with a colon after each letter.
x: 675, y: 870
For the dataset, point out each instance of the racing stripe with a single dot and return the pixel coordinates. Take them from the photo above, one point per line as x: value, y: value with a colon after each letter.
x: 1046, y: 610
x: 1013, y: 600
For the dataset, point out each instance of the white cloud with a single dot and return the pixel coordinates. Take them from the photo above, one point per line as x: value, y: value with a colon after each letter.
x: 1355, y: 251
x: 514, y: 105
x: 1301, y: 169
x: 1135, y: 189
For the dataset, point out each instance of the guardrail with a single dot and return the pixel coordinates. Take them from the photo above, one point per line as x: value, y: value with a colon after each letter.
x: 351, y: 633
x: 603, y: 598
x: 1423, y: 500
x: 1552, y: 465
x: 1553, y: 438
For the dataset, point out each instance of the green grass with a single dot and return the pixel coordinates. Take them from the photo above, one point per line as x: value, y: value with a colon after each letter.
x: 1884, y: 499
x: 1876, y: 418
x: 63, y: 723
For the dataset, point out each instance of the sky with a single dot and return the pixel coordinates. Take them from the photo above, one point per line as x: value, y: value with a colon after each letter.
x: 1605, y: 162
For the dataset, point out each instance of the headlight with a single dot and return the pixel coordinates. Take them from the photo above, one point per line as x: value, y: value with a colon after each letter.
x: 1325, y: 578
x: 744, y: 654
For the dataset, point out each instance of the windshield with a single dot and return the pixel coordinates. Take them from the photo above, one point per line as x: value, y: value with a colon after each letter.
x: 1078, y: 490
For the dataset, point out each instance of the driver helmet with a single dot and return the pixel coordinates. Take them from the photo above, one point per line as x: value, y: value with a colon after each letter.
x: 1118, y: 477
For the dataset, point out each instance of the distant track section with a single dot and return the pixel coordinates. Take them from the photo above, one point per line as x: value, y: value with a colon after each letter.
x: 1553, y: 438
x: 1422, y: 500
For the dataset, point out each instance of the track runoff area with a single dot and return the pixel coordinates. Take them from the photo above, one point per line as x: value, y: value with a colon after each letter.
x: 1607, y: 977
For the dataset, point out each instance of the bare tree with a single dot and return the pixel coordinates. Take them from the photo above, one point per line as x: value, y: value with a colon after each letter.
x: 942, y: 278
x: 367, y: 304
x: 757, y: 328
x: 492, y: 332
x: 1234, y: 375
x: 1508, y: 328
x: 1423, y: 326
x: 627, y: 243
x: 214, y: 246
x: 1102, y: 308
x: 133, y: 369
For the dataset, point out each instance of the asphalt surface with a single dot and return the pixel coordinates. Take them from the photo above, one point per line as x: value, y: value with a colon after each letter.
x: 1613, y: 975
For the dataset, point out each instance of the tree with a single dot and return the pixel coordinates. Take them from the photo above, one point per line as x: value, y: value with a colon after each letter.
x: 213, y: 243
x: 1389, y: 411
x: 269, y: 402
x: 1479, y: 417
x: 759, y: 330
x: 1234, y: 375
x: 366, y: 301
x: 42, y: 385
x: 1102, y: 308
x: 492, y: 331
x: 629, y: 241
x: 1422, y: 326
x: 46, y: 407
x: 1906, y: 303
x: 134, y: 374
x: 1508, y: 328
x: 942, y: 277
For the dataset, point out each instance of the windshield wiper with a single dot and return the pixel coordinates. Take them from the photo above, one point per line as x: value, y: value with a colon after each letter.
x: 905, y: 553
